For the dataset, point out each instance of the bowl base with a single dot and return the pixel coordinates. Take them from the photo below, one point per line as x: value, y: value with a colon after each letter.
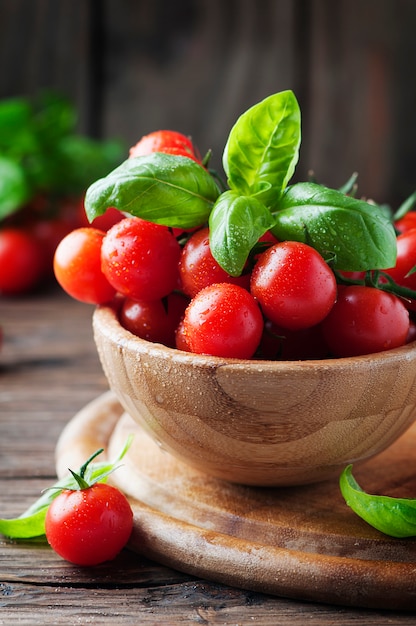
x: 298, y: 542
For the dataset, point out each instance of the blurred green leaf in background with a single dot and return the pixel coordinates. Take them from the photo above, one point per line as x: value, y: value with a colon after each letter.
x: 41, y: 152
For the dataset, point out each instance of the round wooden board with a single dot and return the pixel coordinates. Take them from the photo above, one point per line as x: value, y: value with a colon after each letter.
x: 298, y: 542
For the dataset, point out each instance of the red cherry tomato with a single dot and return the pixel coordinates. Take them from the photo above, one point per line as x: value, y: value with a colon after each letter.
x: 147, y: 319
x: 198, y: 268
x: 77, y: 266
x: 181, y: 341
x: 140, y: 259
x: 223, y: 320
x: 22, y: 261
x: 49, y: 233
x: 293, y: 285
x: 108, y: 219
x: 292, y: 345
x: 168, y: 141
x: 89, y: 526
x: 407, y: 222
x: 365, y: 320
x: 176, y: 303
x: 406, y: 260
x: 411, y: 335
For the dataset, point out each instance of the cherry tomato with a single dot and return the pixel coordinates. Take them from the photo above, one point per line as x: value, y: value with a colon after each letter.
x: 223, y: 320
x: 407, y: 222
x: 77, y: 266
x: 108, y: 219
x: 140, y: 259
x: 198, y: 268
x: 147, y: 319
x: 154, y: 320
x: 411, y: 335
x: 405, y: 262
x: 181, y: 341
x: 293, y: 285
x: 292, y: 345
x: 168, y: 141
x: 176, y: 303
x: 102, y: 222
x: 89, y: 526
x: 49, y: 233
x: 365, y: 320
x: 22, y: 261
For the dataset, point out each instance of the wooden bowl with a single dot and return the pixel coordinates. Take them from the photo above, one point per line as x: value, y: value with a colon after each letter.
x: 266, y: 423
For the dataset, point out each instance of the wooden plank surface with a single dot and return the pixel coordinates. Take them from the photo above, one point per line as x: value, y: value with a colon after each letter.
x: 49, y: 369
x: 132, y: 67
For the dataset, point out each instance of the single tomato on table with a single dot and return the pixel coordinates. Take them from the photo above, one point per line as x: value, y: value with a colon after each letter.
x: 90, y: 525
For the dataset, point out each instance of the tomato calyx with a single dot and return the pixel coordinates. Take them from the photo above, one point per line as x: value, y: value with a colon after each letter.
x: 80, y: 476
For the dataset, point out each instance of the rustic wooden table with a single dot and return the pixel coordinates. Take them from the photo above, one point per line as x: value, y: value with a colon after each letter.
x: 49, y: 369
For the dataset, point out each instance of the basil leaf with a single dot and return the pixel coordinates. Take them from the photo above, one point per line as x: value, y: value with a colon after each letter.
x: 14, y: 188
x: 263, y: 148
x: 25, y: 527
x: 358, y: 235
x: 161, y: 188
x: 392, y: 516
x: 236, y: 223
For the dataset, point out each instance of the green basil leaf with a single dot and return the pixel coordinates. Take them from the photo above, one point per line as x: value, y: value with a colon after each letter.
x: 25, y: 527
x: 358, y: 235
x: 263, y: 148
x: 14, y: 188
x: 161, y: 188
x: 392, y: 516
x: 236, y: 223
x: 16, y: 128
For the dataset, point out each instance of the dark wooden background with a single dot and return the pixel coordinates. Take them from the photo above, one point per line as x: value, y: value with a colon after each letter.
x: 133, y: 66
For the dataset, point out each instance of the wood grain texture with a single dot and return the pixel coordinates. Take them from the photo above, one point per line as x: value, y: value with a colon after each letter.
x: 49, y: 370
x: 260, y: 422
x: 133, y: 67
x: 301, y: 542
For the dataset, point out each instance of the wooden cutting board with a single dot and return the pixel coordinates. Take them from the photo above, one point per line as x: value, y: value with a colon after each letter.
x: 298, y: 542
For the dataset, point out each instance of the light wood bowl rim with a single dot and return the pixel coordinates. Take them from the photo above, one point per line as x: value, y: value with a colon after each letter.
x: 105, y: 317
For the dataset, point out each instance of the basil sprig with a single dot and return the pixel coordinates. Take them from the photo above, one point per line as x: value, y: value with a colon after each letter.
x: 395, y: 517
x: 259, y: 160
